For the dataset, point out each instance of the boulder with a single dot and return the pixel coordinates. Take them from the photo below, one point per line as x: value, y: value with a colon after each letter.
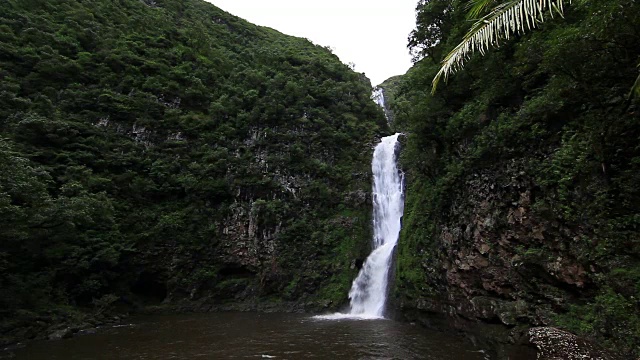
x: 556, y: 344
x: 61, y: 334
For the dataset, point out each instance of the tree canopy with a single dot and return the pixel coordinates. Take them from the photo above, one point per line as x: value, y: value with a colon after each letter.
x: 167, y: 149
x: 542, y: 125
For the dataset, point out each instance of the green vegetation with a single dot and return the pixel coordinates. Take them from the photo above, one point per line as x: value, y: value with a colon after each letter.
x: 508, y: 18
x: 546, y: 117
x: 167, y: 150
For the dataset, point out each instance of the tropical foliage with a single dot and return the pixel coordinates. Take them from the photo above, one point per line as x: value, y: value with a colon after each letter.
x: 139, y: 139
x: 546, y: 114
x: 511, y: 17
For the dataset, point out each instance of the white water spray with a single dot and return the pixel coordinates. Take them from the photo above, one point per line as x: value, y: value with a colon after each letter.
x: 369, y: 290
x: 378, y: 96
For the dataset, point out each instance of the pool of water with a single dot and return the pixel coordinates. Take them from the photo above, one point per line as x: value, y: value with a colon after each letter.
x: 255, y: 336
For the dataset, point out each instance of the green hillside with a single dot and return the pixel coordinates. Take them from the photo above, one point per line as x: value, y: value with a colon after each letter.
x: 523, y: 205
x: 167, y: 152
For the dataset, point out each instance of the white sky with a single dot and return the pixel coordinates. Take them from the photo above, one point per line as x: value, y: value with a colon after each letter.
x: 372, y: 34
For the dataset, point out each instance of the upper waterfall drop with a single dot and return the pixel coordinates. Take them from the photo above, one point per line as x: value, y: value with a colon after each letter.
x: 368, y: 292
x: 378, y: 96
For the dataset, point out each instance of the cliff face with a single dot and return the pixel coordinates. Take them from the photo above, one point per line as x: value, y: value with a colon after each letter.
x: 520, y: 209
x: 166, y: 152
x: 497, y: 259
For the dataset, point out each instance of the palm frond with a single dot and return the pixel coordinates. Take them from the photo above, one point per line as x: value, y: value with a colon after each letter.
x: 512, y: 17
x: 476, y: 7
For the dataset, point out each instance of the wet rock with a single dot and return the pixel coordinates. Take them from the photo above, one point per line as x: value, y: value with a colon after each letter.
x: 61, y: 334
x: 78, y: 327
x: 556, y: 344
x: 88, y: 331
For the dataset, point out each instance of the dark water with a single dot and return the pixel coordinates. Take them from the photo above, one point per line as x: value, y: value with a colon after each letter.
x: 255, y: 336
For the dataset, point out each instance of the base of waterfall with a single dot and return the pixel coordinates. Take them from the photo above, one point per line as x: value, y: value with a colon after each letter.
x: 341, y: 316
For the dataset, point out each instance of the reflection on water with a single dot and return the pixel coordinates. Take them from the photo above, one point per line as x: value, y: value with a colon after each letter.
x: 256, y: 336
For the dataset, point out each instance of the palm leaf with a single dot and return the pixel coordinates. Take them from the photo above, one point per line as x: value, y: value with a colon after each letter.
x: 512, y: 17
x: 476, y: 7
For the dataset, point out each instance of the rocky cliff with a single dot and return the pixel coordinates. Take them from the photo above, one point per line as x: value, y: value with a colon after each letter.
x: 520, y: 206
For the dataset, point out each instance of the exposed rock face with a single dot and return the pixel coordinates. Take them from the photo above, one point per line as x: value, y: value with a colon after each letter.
x: 257, y: 249
x: 497, y: 260
x: 498, y: 247
x: 498, y: 257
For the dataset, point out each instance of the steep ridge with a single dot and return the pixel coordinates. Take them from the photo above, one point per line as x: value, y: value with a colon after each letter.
x: 167, y: 152
x: 520, y: 208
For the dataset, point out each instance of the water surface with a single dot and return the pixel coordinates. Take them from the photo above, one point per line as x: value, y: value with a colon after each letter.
x: 255, y: 336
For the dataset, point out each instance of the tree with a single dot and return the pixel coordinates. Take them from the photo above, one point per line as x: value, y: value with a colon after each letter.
x: 511, y: 17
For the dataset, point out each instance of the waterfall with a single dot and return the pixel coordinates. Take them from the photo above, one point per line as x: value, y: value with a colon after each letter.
x: 369, y: 290
x: 378, y: 97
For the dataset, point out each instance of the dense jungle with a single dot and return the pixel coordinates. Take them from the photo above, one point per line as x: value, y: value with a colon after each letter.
x: 167, y: 156
x: 522, y: 171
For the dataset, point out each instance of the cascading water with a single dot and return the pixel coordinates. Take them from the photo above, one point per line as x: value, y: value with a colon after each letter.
x: 369, y: 290
x: 378, y: 96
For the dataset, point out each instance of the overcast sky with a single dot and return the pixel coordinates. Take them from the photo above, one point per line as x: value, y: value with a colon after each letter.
x: 372, y: 34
